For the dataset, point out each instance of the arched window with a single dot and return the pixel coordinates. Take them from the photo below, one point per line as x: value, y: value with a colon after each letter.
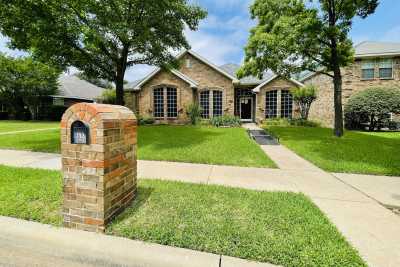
x: 158, y: 102
x: 211, y: 103
x: 286, y: 104
x: 205, y: 104
x: 165, y: 102
x: 217, y: 103
x: 271, y: 105
x: 172, y: 103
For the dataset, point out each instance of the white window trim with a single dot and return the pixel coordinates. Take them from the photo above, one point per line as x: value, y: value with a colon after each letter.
x: 379, y: 71
x: 211, y: 101
x: 279, y: 103
x: 373, y: 62
x: 165, y: 102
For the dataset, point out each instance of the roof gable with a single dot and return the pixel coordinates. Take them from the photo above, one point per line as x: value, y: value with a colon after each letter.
x: 191, y: 82
x: 272, y: 78
x: 210, y: 64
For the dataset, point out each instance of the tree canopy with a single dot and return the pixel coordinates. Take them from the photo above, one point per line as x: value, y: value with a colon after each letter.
x: 304, y: 97
x: 297, y: 35
x: 23, y: 82
x: 100, y: 38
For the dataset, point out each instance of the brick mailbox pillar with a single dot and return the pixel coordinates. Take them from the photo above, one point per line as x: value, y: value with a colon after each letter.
x: 98, y: 145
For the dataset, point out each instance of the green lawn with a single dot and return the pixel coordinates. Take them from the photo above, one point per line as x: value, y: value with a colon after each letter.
x: 208, y: 145
x: 356, y: 152
x: 221, y: 146
x: 281, y: 228
x: 11, y: 126
x: 31, y: 194
x: 43, y: 141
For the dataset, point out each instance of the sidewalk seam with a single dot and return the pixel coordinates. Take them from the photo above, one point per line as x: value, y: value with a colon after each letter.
x: 209, y: 174
x: 358, y: 190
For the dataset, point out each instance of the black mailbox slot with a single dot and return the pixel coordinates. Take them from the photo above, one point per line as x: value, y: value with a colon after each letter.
x: 79, y: 133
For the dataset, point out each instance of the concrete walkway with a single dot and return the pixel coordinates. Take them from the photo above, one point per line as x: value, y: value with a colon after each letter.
x: 371, y: 228
x: 24, y: 243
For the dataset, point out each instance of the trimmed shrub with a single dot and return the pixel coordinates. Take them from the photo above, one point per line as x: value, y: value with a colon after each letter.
x: 277, y: 122
x: 371, y: 108
x: 145, y: 120
x: 290, y: 122
x: 194, y: 112
x: 225, y: 121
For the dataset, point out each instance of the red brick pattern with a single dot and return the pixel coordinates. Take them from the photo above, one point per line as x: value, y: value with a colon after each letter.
x: 99, y: 178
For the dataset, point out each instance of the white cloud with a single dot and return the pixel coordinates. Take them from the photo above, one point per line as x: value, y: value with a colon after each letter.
x: 217, y: 40
x: 4, y: 48
x: 391, y: 35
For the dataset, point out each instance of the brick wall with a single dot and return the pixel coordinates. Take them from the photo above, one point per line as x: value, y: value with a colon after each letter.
x: 322, y: 110
x: 99, y: 178
x: 209, y: 78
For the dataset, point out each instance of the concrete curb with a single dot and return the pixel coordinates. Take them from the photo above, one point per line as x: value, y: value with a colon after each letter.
x: 25, y: 243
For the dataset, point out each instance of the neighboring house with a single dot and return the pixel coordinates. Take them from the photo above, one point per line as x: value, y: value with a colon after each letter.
x: 72, y: 89
x: 377, y: 64
x: 165, y: 95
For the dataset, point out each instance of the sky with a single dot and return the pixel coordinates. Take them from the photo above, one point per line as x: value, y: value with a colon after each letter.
x: 223, y: 34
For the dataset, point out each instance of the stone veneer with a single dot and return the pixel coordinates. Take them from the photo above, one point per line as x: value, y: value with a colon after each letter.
x: 322, y: 110
x: 99, y: 178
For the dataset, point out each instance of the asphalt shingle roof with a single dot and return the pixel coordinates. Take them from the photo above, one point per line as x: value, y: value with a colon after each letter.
x: 249, y: 80
x: 132, y: 85
x: 376, y: 48
x: 73, y: 87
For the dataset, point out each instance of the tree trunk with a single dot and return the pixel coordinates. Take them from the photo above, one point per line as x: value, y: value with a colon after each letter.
x: 119, y: 83
x: 119, y: 86
x: 337, y: 76
x: 337, y: 81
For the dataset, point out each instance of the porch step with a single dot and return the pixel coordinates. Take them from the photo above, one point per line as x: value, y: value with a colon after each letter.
x: 262, y: 138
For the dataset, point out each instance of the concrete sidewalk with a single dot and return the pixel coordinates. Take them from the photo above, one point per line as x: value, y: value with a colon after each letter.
x: 371, y: 228
x: 24, y: 243
x: 28, y: 131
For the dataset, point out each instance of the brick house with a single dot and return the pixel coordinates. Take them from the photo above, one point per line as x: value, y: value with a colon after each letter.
x: 377, y: 64
x: 165, y: 95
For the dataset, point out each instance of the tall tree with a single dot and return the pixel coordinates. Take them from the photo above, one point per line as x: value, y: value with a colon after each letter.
x: 101, y: 38
x: 24, y: 82
x: 297, y: 35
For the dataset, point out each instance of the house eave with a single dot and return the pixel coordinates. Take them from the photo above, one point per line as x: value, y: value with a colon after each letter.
x: 373, y: 55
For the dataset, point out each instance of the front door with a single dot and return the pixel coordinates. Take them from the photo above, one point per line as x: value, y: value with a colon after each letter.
x: 246, y: 109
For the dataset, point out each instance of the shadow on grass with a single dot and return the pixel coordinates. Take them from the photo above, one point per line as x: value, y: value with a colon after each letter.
x: 165, y: 137
x: 142, y: 196
x: 366, y: 153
